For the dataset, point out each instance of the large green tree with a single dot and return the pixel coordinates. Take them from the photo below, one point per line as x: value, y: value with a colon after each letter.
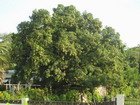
x: 67, y: 50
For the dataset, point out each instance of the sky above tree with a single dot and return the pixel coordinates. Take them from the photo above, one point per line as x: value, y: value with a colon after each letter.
x: 123, y: 15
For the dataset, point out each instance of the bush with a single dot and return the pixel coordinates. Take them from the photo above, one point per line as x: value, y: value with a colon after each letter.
x: 44, y: 95
x: 37, y: 94
x: 97, y: 97
x: 53, y: 97
x: 89, y: 96
x: 72, y: 95
x: 5, y: 95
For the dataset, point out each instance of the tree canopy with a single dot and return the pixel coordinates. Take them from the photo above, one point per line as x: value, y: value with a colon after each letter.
x: 68, y: 50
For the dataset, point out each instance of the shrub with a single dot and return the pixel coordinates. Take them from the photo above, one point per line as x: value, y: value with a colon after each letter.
x: 72, y: 95
x: 97, y: 97
x: 5, y: 95
x: 36, y: 94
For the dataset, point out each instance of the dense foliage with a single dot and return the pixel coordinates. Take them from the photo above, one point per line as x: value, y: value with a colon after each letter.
x: 132, y: 72
x: 69, y: 50
x: 5, y: 49
x: 5, y: 57
x: 41, y: 95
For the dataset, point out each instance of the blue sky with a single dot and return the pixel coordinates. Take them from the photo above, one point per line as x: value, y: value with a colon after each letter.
x: 122, y: 15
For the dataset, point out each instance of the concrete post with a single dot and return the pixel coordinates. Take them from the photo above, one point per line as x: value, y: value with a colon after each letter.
x: 24, y: 101
x: 120, y: 99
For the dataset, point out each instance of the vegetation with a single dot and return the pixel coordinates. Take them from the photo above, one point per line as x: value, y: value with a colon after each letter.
x: 5, y: 57
x: 70, y: 52
x: 45, y: 95
x: 67, y: 50
x: 5, y: 48
x: 132, y: 71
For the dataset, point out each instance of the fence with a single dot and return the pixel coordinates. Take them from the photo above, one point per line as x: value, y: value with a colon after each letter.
x: 12, y: 102
x: 18, y: 86
x: 119, y: 100
x: 132, y: 102
x: 70, y: 103
x: 31, y: 102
